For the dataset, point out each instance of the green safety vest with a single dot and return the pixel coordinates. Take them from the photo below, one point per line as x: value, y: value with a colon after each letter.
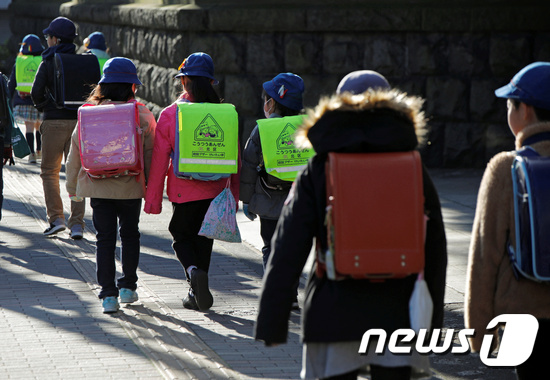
x: 102, y: 63
x: 281, y: 158
x: 26, y: 67
x: 207, y: 138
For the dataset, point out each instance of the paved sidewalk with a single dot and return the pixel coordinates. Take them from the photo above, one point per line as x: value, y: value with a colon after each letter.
x: 53, y: 325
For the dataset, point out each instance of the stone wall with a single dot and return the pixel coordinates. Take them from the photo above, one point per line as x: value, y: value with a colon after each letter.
x: 452, y: 53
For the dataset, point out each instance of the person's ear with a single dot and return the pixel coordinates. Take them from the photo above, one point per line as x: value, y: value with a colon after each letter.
x: 527, y: 113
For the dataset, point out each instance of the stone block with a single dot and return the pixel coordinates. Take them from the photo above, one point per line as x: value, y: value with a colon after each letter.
x: 426, y: 54
x: 240, y: 92
x: 342, y: 53
x: 468, y: 55
x: 364, y: 19
x: 316, y: 89
x: 264, y: 53
x: 227, y: 50
x: 256, y: 19
x: 509, y: 53
x: 186, y: 19
x: 446, y: 19
x: 464, y: 145
x: 177, y: 48
x: 447, y: 98
x: 495, y: 19
x: 303, y: 53
x: 385, y: 53
x: 484, y: 105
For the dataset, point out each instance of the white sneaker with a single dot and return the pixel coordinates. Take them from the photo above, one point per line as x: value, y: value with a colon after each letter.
x: 32, y: 158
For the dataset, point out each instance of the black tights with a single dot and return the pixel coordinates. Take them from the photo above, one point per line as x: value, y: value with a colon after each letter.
x: 378, y: 373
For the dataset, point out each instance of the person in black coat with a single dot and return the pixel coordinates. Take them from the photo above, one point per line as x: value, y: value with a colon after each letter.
x: 337, y: 313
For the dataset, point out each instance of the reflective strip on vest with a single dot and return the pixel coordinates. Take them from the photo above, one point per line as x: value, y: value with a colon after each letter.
x: 207, y: 138
x: 281, y: 158
x: 26, y: 67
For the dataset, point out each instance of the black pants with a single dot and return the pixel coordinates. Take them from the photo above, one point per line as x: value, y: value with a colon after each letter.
x: 267, y: 230
x: 190, y: 248
x: 107, y: 215
x: 537, y: 364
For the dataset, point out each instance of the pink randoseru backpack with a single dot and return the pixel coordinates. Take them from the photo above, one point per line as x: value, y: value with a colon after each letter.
x: 110, y: 139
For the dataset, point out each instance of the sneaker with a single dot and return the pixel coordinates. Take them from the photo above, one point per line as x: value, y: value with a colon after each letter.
x: 127, y: 295
x: 77, y: 232
x: 189, y: 302
x: 54, y: 228
x: 110, y: 305
x: 38, y: 154
x: 32, y: 158
x: 199, y: 284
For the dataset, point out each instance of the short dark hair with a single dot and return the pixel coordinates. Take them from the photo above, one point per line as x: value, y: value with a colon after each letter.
x: 111, y: 91
x: 542, y: 114
x: 279, y: 108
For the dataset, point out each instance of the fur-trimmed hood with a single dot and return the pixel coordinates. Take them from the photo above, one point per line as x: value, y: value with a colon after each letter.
x: 376, y: 120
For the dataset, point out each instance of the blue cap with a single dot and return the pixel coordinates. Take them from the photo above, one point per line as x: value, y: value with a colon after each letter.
x: 62, y: 28
x: 198, y: 65
x: 119, y: 70
x: 31, y: 44
x: 286, y: 89
x: 360, y: 81
x: 97, y: 41
x: 530, y: 86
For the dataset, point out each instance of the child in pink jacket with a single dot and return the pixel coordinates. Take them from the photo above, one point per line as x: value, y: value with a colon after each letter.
x: 190, y: 198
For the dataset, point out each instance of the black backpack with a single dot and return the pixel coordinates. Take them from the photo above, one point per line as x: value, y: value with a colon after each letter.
x: 74, y: 76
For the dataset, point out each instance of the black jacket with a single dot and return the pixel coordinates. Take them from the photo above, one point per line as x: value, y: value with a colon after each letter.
x: 43, y: 82
x: 344, y: 310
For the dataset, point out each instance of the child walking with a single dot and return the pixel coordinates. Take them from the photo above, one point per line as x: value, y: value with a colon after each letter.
x: 115, y: 201
x: 261, y: 193
x: 190, y: 197
x: 492, y: 288
x: 19, y: 87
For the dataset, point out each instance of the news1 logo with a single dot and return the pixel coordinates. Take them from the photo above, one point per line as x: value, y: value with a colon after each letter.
x: 515, y: 347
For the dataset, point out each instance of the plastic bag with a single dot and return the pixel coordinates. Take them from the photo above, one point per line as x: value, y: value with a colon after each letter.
x: 420, y: 305
x: 220, y: 221
x: 19, y: 143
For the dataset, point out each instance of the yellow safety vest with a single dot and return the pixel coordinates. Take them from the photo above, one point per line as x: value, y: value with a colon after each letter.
x: 281, y: 158
x: 26, y: 67
x: 206, y: 143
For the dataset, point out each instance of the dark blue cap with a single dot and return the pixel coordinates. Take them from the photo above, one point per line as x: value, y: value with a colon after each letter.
x: 286, y: 89
x: 97, y: 41
x: 530, y: 86
x: 31, y: 44
x: 62, y: 28
x: 360, y: 81
x: 119, y: 70
x: 198, y: 65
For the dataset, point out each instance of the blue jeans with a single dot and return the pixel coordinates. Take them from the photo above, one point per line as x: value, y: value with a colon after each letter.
x: 107, y: 215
